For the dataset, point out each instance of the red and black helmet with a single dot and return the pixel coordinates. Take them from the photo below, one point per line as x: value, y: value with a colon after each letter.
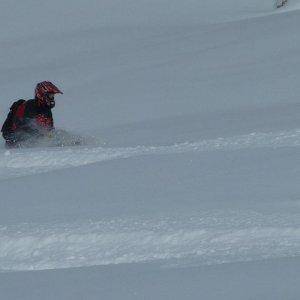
x: 45, y: 87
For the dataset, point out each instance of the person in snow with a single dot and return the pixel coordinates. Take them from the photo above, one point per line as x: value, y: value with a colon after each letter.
x: 31, y: 119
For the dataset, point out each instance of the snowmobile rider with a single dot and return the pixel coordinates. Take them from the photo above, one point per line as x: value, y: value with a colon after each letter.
x: 32, y: 118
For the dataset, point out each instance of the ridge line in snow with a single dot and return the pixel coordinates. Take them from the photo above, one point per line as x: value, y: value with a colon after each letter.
x: 30, y: 161
x: 208, y: 239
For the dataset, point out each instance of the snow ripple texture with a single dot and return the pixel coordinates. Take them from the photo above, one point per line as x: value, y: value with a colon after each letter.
x: 30, y: 161
x: 210, y: 238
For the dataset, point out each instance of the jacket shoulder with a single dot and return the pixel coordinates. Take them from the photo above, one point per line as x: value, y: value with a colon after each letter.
x: 31, y: 102
x: 30, y: 108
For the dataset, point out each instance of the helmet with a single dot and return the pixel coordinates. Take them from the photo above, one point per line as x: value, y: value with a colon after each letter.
x: 43, y: 88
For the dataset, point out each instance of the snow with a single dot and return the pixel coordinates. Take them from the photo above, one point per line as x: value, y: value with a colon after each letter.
x: 190, y: 188
x: 138, y: 281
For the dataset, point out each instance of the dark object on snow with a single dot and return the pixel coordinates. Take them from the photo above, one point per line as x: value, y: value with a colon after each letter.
x: 280, y: 3
x: 31, y: 119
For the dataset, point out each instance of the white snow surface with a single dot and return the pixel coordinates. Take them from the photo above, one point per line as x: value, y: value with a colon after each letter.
x: 190, y: 188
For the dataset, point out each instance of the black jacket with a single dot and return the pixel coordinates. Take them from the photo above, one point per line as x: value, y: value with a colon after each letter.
x: 37, y: 117
x: 28, y: 119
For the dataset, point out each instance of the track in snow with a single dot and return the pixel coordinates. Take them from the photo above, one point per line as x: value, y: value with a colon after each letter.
x: 207, y: 238
x: 210, y: 238
x: 30, y: 161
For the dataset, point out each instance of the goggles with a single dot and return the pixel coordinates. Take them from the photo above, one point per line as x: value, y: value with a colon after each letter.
x: 49, y: 96
x: 49, y: 99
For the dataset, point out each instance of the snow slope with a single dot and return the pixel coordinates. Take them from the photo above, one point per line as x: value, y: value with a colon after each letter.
x: 193, y: 188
